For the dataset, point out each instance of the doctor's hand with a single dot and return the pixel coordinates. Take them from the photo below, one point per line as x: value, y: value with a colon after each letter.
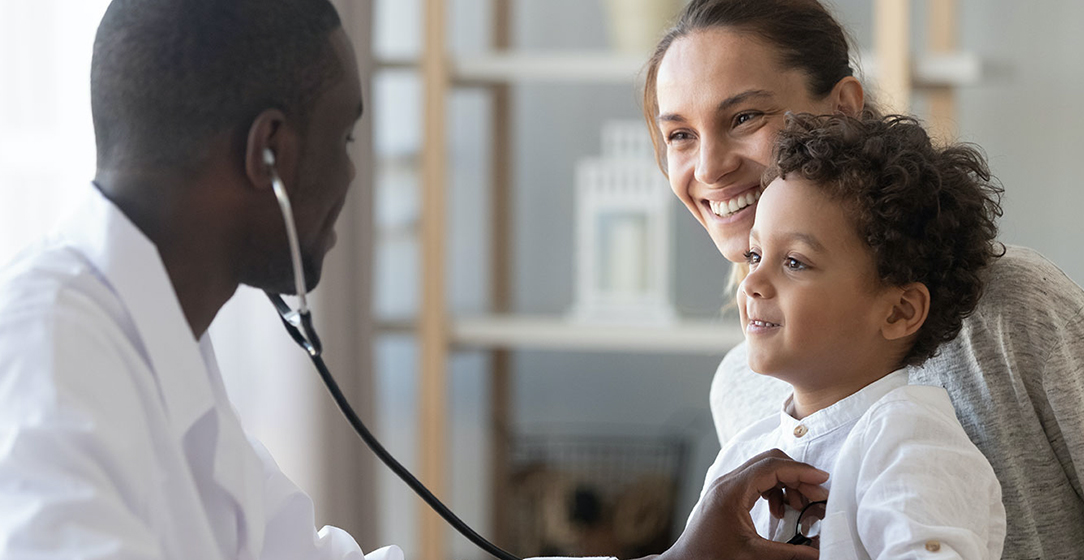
x: 722, y: 528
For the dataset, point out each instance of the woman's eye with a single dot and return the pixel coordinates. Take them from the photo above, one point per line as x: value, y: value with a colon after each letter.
x: 743, y: 118
x: 678, y: 136
x: 794, y: 264
x: 752, y: 258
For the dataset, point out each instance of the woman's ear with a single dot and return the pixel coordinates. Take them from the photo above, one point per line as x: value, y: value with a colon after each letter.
x: 848, y: 97
x: 269, y: 132
x: 910, y: 307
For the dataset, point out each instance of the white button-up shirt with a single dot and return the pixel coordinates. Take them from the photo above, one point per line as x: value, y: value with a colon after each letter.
x: 117, y: 440
x: 906, y: 482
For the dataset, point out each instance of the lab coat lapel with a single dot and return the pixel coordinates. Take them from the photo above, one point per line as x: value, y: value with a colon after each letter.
x: 131, y: 265
x: 237, y: 469
x: 186, y: 372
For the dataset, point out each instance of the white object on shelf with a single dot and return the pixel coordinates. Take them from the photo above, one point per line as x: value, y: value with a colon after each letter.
x: 623, y: 232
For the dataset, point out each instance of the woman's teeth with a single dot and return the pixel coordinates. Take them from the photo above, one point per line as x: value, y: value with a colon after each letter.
x: 762, y: 324
x: 727, y: 207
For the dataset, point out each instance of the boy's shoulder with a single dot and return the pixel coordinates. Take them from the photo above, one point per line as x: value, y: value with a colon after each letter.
x: 911, y: 415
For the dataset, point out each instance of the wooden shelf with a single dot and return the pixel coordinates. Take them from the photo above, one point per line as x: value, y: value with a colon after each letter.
x: 579, y: 67
x: 547, y: 332
x: 571, y: 66
x: 928, y: 70
x: 932, y: 70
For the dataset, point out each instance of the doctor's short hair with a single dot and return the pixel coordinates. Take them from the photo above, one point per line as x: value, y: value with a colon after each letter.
x: 168, y: 75
x: 927, y: 213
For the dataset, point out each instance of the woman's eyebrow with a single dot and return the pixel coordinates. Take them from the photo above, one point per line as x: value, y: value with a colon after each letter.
x: 742, y: 97
x: 724, y: 105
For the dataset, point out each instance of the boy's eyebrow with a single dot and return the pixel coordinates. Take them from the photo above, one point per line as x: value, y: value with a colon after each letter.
x: 723, y: 106
x: 807, y: 239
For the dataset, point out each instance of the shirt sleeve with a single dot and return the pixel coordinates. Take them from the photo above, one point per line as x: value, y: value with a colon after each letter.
x: 67, y: 488
x: 291, y: 522
x: 1063, y: 381
x: 921, y: 485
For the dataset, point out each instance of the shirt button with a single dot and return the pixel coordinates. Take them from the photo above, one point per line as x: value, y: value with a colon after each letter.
x: 800, y: 430
x: 933, y: 546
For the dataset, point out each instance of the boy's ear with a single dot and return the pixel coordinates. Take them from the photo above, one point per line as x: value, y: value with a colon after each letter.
x: 910, y: 306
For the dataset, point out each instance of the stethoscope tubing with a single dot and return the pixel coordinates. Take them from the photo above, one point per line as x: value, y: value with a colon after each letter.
x: 382, y: 453
x: 301, y: 320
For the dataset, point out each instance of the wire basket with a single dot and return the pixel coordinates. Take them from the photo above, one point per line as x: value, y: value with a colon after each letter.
x: 594, y: 496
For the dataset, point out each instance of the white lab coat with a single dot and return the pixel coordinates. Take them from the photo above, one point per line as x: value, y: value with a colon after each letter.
x: 117, y: 440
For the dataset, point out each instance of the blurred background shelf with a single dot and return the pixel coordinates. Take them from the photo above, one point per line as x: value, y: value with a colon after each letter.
x: 542, y: 332
x: 928, y: 70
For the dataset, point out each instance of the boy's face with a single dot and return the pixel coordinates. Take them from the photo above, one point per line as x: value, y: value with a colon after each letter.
x: 811, y: 307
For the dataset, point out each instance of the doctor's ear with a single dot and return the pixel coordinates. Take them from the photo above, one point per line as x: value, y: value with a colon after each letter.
x: 910, y: 306
x: 271, y: 146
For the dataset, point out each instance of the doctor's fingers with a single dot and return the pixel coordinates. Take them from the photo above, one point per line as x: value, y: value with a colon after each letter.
x: 774, y: 470
x: 763, y: 549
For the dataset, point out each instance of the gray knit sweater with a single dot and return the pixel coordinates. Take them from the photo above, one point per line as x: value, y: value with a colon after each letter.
x: 1015, y: 374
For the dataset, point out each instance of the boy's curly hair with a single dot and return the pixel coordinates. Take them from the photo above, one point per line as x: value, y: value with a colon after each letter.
x: 928, y: 213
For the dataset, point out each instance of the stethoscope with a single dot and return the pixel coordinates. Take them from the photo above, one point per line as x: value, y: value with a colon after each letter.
x: 299, y: 324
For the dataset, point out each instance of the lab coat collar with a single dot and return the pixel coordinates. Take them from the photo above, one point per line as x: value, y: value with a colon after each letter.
x: 186, y: 369
x: 843, y: 412
x: 131, y: 265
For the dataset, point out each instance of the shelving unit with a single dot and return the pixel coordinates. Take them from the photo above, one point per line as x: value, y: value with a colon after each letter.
x: 933, y: 70
x: 891, y: 64
x: 541, y: 332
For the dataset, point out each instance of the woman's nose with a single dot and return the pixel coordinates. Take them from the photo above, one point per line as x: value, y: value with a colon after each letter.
x: 716, y: 160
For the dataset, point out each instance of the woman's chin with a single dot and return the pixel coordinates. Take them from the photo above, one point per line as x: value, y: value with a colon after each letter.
x: 733, y: 248
x: 731, y: 237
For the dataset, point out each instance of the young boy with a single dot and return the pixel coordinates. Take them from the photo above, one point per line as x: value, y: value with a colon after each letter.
x: 865, y: 255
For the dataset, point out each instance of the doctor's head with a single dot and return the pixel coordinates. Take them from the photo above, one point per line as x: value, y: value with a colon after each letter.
x: 186, y: 96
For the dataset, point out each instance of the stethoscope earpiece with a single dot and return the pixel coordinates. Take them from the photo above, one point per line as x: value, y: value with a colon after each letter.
x: 291, y: 236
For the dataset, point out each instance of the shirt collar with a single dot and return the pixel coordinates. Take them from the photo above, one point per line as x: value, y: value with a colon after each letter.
x: 842, y: 412
x: 130, y: 264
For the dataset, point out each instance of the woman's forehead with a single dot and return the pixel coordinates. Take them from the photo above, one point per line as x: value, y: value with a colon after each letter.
x: 717, y: 64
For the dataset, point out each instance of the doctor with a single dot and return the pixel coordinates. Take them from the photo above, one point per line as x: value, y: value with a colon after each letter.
x: 116, y: 437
